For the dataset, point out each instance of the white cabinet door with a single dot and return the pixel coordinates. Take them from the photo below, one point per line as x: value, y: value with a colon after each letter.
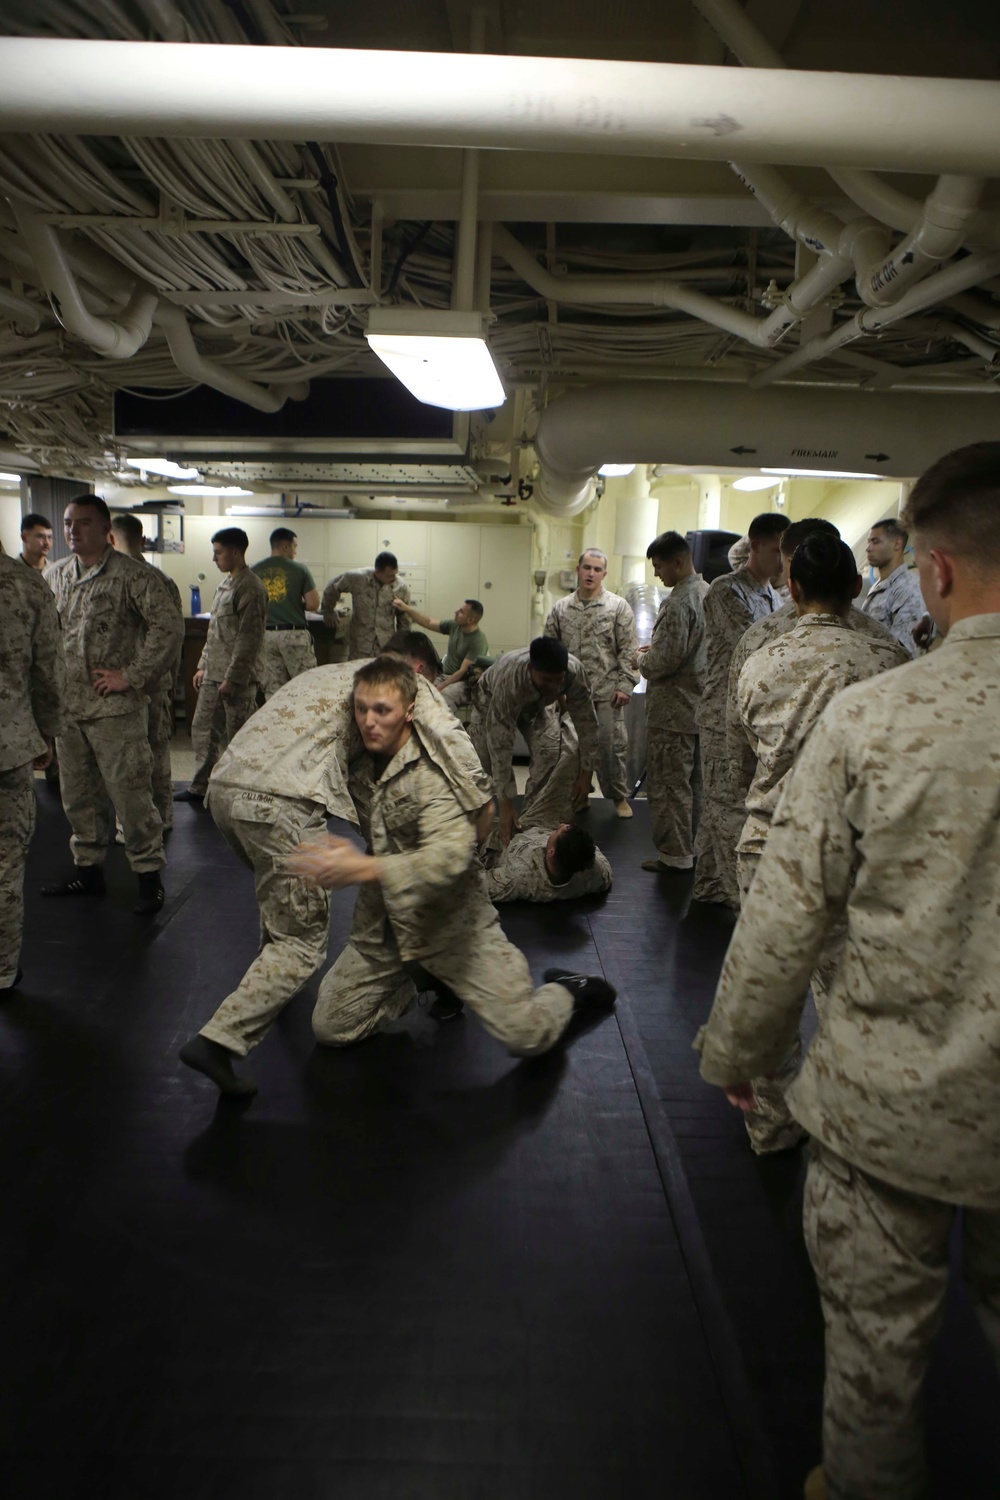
x: 349, y: 544
x: 407, y: 541
x: 453, y: 570
x: 505, y: 586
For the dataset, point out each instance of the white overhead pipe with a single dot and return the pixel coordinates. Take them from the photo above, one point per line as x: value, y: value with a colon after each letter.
x: 114, y: 281
x: 53, y: 85
x: 731, y: 23
x: 940, y: 231
x: 704, y: 429
x: 116, y: 338
x: 957, y: 277
x: 635, y: 291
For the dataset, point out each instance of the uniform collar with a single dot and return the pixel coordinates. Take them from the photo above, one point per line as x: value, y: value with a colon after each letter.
x: 95, y: 568
x: 812, y: 621
x: 974, y: 628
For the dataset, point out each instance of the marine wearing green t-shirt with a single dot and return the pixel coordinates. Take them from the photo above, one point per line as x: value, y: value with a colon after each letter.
x: 287, y: 584
x: 288, y: 647
x: 462, y: 645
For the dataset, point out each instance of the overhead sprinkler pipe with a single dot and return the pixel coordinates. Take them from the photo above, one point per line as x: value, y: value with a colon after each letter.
x: 116, y: 338
x: 56, y: 86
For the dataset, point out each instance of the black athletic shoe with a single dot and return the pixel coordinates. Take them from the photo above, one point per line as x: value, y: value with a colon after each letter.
x: 586, y: 989
x: 88, y: 880
x: 151, y: 893
x: 190, y: 796
x: 216, y: 1062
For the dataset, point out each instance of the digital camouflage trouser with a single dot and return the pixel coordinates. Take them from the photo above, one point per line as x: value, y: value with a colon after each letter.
x: 673, y: 791
x: 369, y: 985
x: 881, y: 1261
x: 216, y: 720
x: 105, y: 767
x: 294, y: 917
x: 17, y: 823
x: 287, y: 654
x: 722, y: 817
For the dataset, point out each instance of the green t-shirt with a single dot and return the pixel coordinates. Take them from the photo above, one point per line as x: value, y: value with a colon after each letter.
x: 462, y: 647
x: 287, y: 584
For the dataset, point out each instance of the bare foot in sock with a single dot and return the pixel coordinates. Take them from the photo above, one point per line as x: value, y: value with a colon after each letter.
x: 216, y: 1063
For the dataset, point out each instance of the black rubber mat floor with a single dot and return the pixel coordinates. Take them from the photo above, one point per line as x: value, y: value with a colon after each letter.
x: 417, y: 1268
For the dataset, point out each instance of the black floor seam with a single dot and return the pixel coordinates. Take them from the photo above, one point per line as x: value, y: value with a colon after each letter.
x: 720, y: 1339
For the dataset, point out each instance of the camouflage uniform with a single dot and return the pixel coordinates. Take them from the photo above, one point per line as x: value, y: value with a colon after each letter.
x: 732, y: 603
x: 373, y: 619
x: 161, y: 717
x: 674, y: 668
x: 429, y: 907
x: 32, y: 710
x: 600, y: 633
x: 782, y: 690
x: 742, y: 760
x: 518, y: 872
x: 897, y: 603
x: 287, y: 654
x: 273, y: 788
x: 890, y: 821
x: 505, y: 699
x: 233, y: 652
x: 114, y: 615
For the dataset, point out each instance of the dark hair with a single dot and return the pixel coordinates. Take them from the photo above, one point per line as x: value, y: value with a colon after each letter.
x: 95, y: 502
x: 575, y: 850
x: 413, y: 644
x: 667, y: 545
x: 769, y: 523
x: 128, y: 525
x: 548, y: 655
x: 390, y: 671
x: 281, y: 534
x: 33, y: 519
x: 824, y: 568
x: 957, y: 502
x: 385, y: 560
x: 476, y: 607
x: 896, y: 530
x: 232, y: 536
x: 794, y: 535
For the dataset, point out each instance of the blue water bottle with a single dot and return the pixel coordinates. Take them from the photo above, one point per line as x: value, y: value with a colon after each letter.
x: 195, y: 599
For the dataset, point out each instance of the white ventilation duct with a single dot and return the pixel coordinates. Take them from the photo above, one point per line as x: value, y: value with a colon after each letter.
x: 56, y: 86
x: 704, y: 427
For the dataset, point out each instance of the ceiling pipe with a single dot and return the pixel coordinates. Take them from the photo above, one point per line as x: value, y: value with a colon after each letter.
x: 115, y: 282
x: 592, y: 290
x: 750, y: 47
x: 957, y: 277
x: 116, y: 338
x: 796, y: 427
x: 167, y: 90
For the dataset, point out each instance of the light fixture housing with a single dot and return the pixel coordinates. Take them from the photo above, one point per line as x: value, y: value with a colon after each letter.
x: 217, y: 490
x: 615, y: 471
x: 164, y: 466
x: 441, y: 356
x: 10, y: 479
x: 755, y: 482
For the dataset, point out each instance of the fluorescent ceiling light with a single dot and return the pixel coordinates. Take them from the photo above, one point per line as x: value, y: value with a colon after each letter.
x: 164, y: 466
x: 441, y: 357
x: 820, y: 474
x: 754, y: 482
x: 615, y: 471
x: 303, y: 514
x: 207, y: 489
x: 10, y: 479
